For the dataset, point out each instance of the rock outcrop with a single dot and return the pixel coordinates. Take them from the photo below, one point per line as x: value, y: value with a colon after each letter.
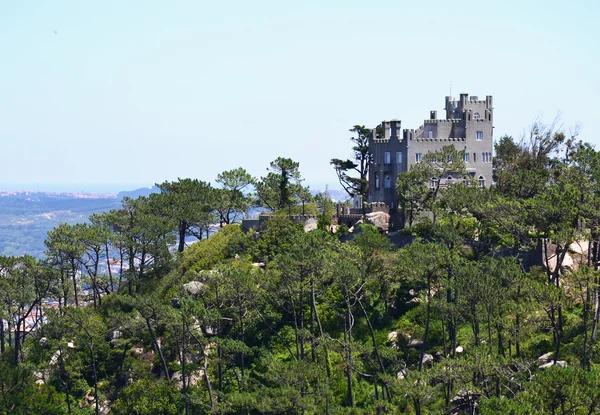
x: 380, y: 220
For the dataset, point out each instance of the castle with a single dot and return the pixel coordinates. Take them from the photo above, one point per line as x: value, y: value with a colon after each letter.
x: 468, y: 126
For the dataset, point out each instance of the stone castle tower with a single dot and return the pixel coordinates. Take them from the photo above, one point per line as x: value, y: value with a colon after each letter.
x: 468, y: 126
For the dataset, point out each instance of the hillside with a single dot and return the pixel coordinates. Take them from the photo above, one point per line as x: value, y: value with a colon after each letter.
x: 26, y: 217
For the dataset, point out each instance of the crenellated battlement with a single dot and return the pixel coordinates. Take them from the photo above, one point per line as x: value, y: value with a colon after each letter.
x: 439, y: 139
x: 441, y: 121
x: 380, y: 140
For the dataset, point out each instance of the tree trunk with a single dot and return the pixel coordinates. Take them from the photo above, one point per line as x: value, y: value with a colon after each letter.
x: 347, y: 339
x: 205, y: 368
x: 586, y: 307
x: 61, y: 371
x: 17, y: 343
x: 182, y: 229
x: 313, y: 344
x: 184, y: 387
x: 74, y: 275
x: 1, y: 335
x: 375, y: 348
x: 427, y: 321
x: 158, y: 349
x: 95, y: 379
x: 110, y: 276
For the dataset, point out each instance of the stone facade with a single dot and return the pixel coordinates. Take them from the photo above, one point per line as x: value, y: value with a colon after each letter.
x: 468, y: 126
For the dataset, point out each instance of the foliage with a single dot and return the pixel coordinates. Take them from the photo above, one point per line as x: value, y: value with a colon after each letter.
x: 355, y: 186
x: 494, y: 307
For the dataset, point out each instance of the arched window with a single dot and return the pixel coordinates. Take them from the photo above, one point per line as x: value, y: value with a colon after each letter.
x: 433, y: 182
x: 377, y: 181
x: 481, y: 181
x: 449, y: 180
x: 388, y: 182
x: 465, y: 179
x: 476, y: 116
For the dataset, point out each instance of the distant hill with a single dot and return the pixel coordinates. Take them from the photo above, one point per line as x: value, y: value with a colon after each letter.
x: 134, y: 194
x: 26, y: 217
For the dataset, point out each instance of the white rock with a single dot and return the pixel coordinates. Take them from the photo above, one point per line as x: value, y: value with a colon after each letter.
x: 559, y: 363
x: 459, y: 349
x: 310, y: 224
x: 393, y: 336
x: 415, y: 343
x: 54, y: 358
x: 194, y: 287
x: 579, y: 247
x: 427, y: 358
x: 381, y: 220
x: 546, y: 356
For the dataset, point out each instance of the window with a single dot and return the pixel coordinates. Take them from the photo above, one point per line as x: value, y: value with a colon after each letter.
x: 418, y: 157
x: 388, y: 182
x: 429, y: 134
x: 399, y: 157
x: 449, y: 180
x: 465, y: 179
x: 466, y: 157
x: 486, y: 157
x: 476, y: 116
x: 481, y: 181
x: 474, y: 157
x: 376, y: 181
x: 479, y: 135
x: 433, y: 182
x: 387, y: 157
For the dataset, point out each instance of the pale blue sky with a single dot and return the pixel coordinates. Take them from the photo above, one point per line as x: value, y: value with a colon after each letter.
x: 137, y: 92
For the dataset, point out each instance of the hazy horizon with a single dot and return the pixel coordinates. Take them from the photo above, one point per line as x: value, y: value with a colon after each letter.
x: 109, y: 187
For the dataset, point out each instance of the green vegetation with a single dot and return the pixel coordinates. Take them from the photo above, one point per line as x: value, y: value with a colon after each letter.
x: 492, y: 308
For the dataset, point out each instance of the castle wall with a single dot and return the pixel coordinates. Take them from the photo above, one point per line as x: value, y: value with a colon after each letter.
x: 466, y: 119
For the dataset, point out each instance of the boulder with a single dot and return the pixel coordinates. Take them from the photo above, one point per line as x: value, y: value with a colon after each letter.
x: 401, y: 375
x: 194, y: 287
x: 559, y: 363
x: 310, y: 224
x: 545, y: 357
x: 579, y: 247
x: 459, y: 349
x: 115, y: 336
x: 54, y: 358
x: 355, y: 226
x: 393, y: 336
x: 427, y: 359
x: 415, y: 343
x: 380, y: 220
x: 465, y: 401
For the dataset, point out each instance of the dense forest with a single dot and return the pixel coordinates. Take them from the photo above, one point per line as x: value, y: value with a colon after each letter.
x: 492, y: 308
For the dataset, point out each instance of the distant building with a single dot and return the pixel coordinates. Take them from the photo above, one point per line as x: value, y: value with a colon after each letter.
x: 468, y: 126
